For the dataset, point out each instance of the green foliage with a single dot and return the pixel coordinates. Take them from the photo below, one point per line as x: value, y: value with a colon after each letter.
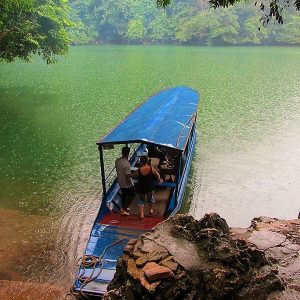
x: 270, y: 10
x: 41, y: 26
x: 290, y: 31
x: 206, y: 29
x: 181, y: 22
x: 136, y: 30
x: 33, y: 27
x: 84, y: 30
x: 161, y: 28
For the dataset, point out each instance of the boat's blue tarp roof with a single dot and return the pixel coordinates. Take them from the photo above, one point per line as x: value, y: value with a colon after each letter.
x: 164, y: 119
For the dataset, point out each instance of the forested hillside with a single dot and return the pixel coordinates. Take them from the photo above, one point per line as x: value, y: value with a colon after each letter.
x: 183, y: 22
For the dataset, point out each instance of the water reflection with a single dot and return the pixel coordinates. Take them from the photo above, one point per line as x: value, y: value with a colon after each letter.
x: 33, y: 159
x: 255, y: 178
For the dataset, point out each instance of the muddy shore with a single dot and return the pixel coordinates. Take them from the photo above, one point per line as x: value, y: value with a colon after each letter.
x: 28, y: 256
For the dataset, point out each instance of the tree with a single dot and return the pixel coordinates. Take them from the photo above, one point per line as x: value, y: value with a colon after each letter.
x: 290, y: 33
x: 82, y: 13
x: 136, y: 30
x: 183, y: 21
x: 209, y: 28
x: 273, y: 10
x: 112, y: 19
x: 30, y: 27
x: 162, y: 28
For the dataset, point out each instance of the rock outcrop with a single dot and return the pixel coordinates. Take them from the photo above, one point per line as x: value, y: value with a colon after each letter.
x: 183, y: 258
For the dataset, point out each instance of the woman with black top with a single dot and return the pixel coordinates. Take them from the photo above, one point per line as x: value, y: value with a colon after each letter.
x: 145, y: 186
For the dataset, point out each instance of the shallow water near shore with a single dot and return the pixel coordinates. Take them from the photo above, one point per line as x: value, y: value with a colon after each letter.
x: 247, y: 160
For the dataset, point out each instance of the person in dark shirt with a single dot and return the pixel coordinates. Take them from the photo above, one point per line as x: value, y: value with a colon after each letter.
x: 145, y: 185
x: 157, y: 152
x: 172, y: 166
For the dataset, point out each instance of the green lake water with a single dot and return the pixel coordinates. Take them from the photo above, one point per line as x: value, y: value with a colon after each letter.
x: 247, y: 160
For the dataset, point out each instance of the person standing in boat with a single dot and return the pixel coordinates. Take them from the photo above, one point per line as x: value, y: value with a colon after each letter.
x: 125, y: 181
x: 145, y: 185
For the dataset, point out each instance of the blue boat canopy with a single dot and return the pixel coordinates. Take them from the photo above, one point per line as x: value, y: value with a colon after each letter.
x: 164, y: 119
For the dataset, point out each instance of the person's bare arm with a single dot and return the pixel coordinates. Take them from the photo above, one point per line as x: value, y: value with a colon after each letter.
x: 156, y: 174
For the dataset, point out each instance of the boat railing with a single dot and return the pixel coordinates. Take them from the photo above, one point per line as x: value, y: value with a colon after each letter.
x: 109, y: 175
x: 188, y: 157
x: 184, y: 126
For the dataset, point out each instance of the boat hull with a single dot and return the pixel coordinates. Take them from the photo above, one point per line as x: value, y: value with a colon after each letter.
x: 110, y: 228
x: 167, y: 123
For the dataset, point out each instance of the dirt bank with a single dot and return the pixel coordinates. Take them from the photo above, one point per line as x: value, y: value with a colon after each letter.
x: 15, y: 290
x: 26, y: 259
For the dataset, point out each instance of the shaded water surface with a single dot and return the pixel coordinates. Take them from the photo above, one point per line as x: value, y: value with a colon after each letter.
x: 247, y: 159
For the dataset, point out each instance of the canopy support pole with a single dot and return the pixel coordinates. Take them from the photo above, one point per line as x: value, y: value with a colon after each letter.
x: 102, y: 171
x: 178, y: 177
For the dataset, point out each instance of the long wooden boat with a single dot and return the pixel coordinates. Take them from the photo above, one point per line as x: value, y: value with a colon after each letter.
x: 166, y: 120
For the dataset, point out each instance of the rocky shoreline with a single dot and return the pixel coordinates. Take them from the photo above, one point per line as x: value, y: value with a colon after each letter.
x: 183, y: 258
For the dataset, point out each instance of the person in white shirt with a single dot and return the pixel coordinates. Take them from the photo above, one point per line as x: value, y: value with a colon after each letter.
x: 125, y: 181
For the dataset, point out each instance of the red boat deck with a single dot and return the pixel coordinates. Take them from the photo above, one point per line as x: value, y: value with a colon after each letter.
x: 161, y: 197
x: 131, y: 221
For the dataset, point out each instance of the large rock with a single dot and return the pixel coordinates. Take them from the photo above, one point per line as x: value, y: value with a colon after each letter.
x: 155, y: 272
x: 183, y: 258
